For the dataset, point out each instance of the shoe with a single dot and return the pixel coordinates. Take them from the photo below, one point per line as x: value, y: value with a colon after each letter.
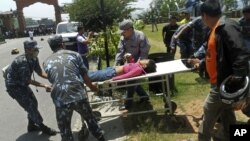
x: 33, y: 127
x: 123, y: 107
x: 47, y: 130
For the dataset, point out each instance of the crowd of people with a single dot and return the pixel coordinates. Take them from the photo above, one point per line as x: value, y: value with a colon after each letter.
x: 37, y: 31
x: 217, y: 44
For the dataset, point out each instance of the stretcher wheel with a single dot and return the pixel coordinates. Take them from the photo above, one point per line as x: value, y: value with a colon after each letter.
x: 173, y: 104
x: 97, y: 115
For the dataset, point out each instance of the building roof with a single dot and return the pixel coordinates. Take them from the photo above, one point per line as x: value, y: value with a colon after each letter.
x: 8, y: 13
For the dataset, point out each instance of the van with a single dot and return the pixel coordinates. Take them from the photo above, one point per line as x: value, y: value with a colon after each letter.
x: 68, y: 30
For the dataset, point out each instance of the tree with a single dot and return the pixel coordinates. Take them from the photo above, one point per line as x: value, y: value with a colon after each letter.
x: 164, y: 8
x: 230, y: 5
x: 89, y: 12
x: 245, y: 2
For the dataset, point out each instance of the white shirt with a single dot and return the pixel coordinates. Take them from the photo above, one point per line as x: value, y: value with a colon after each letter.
x: 81, y: 39
x: 31, y: 33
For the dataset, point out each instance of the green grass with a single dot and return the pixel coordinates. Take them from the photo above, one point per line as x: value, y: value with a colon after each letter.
x: 189, y: 98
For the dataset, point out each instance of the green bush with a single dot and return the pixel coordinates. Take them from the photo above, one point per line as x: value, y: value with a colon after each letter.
x: 139, y: 25
x: 98, y: 45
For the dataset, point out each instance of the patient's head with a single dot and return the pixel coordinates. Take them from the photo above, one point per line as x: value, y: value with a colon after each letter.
x: 148, y: 65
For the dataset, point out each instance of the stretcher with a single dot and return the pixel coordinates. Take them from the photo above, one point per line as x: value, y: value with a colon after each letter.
x: 163, y: 70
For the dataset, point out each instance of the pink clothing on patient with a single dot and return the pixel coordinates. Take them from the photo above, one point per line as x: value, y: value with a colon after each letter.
x: 130, y: 70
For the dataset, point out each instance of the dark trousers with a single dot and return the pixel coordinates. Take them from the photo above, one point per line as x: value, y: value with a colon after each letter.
x: 130, y: 92
x: 27, y: 100
x: 64, y: 115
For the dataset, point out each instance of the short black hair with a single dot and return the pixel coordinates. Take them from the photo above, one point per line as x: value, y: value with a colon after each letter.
x: 246, y: 9
x: 79, y: 28
x: 151, y: 66
x: 55, y: 42
x: 173, y: 17
x: 211, y: 8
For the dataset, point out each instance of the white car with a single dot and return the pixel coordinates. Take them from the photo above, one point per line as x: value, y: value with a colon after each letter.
x: 68, y: 30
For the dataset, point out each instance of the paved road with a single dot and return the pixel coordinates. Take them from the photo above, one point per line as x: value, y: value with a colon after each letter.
x: 13, y: 119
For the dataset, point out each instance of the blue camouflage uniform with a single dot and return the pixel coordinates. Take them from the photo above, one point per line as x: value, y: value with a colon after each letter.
x: 184, y: 42
x: 137, y: 45
x: 65, y: 70
x: 17, y: 84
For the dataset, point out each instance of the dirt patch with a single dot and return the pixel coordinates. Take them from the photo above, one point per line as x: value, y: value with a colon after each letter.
x: 159, y: 122
x: 193, y: 111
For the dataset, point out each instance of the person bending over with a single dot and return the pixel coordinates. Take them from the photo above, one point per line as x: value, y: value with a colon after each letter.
x: 68, y: 74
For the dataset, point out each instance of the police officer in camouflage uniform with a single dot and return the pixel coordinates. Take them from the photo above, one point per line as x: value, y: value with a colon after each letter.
x: 136, y: 43
x: 18, y: 78
x: 67, y: 73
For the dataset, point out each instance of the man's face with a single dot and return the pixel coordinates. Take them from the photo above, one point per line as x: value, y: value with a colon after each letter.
x: 173, y: 21
x: 127, y: 33
x: 186, y: 15
x: 204, y: 18
x: 32, y: 52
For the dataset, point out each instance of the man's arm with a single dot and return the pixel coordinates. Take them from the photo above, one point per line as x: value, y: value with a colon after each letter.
x: 88, y: 82
x: 38, y: 84
x: 144, y: 47
x: 85, y: 40
x: 119, y: 54
x: 164, y: 30
x: 43, y: 75
x: 39, y: 70
x: 184, y: 30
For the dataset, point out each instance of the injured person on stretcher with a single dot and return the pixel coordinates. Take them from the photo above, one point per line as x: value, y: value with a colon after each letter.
x: 128, y: 70
x: 121, y: 72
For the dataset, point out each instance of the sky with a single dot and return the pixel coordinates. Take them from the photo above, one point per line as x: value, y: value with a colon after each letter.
x: 41, y: 10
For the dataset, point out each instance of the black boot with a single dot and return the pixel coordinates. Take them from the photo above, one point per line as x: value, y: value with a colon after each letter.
x: 46, y: 130
x: 32, y: 127
x: 83, y: 133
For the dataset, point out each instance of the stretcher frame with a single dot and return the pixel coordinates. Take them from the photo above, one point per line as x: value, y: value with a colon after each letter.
x: 162, y: 71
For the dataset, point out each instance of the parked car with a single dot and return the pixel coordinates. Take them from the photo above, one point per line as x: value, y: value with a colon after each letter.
x: 68, y: 30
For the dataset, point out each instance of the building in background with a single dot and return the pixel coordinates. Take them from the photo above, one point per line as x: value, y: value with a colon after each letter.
x: 9, y: 24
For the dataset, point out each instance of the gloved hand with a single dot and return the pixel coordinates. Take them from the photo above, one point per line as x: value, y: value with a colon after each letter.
x: 234, y: 83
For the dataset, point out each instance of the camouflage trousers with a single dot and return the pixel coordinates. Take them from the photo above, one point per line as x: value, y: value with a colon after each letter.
x: 64, y: 115
x: 27, y: 100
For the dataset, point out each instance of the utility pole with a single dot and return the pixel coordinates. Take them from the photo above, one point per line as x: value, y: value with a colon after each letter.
x: 105, y: 33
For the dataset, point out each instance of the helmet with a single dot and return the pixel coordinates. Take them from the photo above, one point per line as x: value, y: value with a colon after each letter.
x: 55, y: 41
x: 231, y: 97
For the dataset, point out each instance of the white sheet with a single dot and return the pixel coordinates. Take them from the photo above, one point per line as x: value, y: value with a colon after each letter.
x: 163, y: 68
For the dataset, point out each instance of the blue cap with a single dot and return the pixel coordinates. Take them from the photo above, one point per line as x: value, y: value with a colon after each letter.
x: 28, y: 44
